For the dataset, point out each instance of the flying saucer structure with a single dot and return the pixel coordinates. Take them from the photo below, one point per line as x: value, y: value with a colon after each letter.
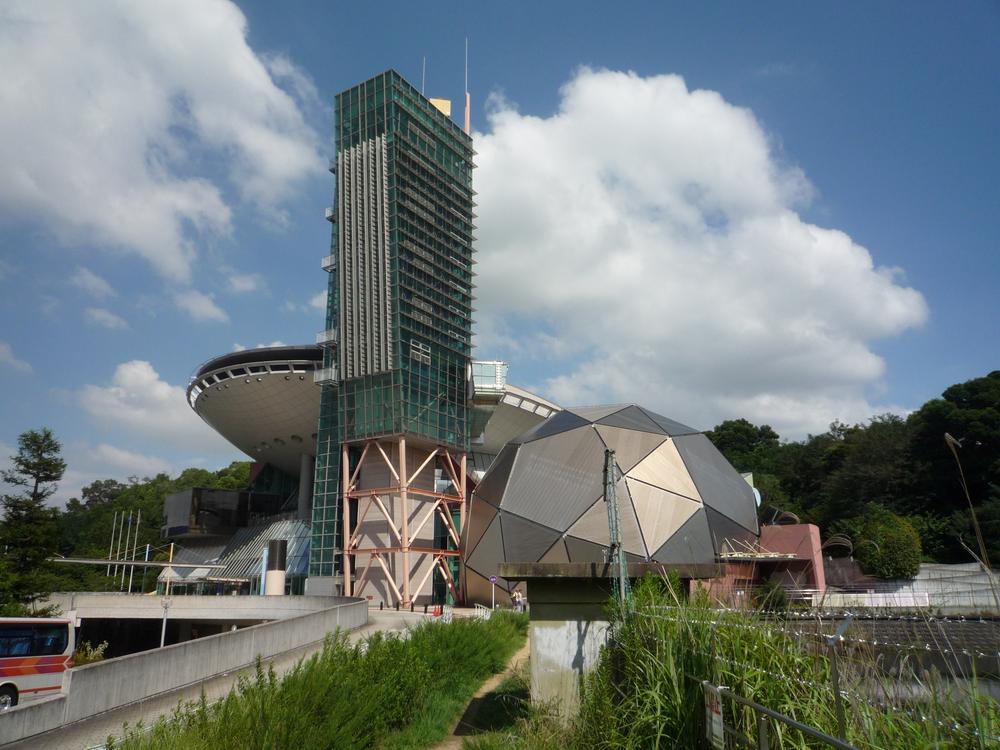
x: 263, y: 401
x: 542, y: 499
x: 266, y: 403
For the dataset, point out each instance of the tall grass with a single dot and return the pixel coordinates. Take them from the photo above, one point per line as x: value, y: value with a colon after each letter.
x: 387, y: 692
x: 646, y: 691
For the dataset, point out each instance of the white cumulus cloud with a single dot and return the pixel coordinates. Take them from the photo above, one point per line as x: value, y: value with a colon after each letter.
x: 646, y: 238
x: 121, y: 462
x: 106, y: 318
x: 7, y: 358
x: 139, y: 402
x: 200, y: 306
x: 110, y: 109
x: 242, y: 283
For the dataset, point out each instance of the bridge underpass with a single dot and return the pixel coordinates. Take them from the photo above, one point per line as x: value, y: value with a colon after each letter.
x: 132, y: 622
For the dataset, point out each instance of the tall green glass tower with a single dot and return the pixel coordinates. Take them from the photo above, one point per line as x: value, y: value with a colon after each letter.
x: 400, y: 288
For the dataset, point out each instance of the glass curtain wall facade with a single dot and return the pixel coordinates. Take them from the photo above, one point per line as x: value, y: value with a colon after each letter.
x: 400, y: 288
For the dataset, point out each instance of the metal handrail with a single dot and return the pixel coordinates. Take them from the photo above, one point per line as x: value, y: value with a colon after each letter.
x: 786, y: 720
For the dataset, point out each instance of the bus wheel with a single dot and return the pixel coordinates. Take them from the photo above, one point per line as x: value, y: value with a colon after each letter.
x: 8, y: 697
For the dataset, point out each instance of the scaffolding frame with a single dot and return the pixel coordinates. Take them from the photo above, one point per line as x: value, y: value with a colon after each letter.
x: 439, y: 504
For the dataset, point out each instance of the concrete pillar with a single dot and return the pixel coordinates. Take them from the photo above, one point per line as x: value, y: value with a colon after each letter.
x: 307, y: 468
x: 567, y: 621
x: 274, y: 578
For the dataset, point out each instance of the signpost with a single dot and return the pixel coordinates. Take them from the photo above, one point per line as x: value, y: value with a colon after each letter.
x: 714, y: 727
x: 493, y: 593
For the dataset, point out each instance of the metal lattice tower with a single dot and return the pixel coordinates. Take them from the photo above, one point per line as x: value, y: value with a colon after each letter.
x: 616, y: 552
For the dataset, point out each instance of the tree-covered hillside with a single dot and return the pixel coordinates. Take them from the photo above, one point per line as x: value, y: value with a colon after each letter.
x: 842, y: 478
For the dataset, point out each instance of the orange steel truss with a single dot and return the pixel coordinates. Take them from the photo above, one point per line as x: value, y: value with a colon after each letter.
x: 402, y: 534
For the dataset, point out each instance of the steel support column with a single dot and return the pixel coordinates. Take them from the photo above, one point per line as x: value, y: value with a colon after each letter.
x: 400, y: 541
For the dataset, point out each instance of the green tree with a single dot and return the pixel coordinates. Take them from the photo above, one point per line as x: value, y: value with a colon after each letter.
x: 886, y: 545
x: 970, y: 412
x: 29, y: 530
x: 873, y: 467
x: 745, y: 445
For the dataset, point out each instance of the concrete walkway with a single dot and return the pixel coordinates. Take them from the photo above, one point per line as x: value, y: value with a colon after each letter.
x: 465, y: 727
x: 94, y: 732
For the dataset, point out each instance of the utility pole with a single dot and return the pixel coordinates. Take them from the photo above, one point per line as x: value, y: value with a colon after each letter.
x: 128, y: 538
x: 135, y: 548
x: 144, y: 569
x: 166, y: 599
x: 118, y: 553
x: 111, y: 549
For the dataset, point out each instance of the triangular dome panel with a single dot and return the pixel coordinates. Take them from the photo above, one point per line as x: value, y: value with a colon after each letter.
x: 632, y: 418
x: 581, y: 550
x: 479, y: 589
x: 485, y: 559
x: 630, y: 446
x: 524, y: 541
x: 594, y: 413
x: 665, y: 468
x: 690, y: 544
x: 660, y: 513
x: 479, y: 518
x: 727, y: 530
x: 671, y: 426
x: 558, y: 422
x: 593, y: 525
x: 719, y: 484
x: 556, y: 553
x: 491, y: 488
x: 556, y: 478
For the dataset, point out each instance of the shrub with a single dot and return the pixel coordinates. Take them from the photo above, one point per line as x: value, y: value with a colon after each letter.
x: 887, y: 545
x: 87, y: 654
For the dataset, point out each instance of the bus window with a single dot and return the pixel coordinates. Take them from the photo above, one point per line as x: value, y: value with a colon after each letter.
x: 34, y: 654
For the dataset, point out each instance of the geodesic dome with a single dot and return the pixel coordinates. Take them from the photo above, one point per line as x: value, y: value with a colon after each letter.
x: 542, y: 499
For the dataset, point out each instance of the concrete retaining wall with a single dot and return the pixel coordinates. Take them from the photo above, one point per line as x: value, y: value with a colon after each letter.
x: 111, y: 684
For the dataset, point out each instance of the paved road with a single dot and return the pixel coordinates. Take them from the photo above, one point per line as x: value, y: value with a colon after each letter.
x: 95, y: 731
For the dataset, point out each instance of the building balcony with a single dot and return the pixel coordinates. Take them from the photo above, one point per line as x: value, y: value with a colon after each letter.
x: 489, y: 379
x: 328, y: 337
x: 329, y: 263
x: 325, y: 375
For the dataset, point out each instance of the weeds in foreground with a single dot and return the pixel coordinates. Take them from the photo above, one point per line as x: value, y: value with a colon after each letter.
x: 646, y: 692
x: 389, y: 692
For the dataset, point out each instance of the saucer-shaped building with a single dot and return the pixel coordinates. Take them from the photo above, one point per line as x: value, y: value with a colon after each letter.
x: 542, y: 500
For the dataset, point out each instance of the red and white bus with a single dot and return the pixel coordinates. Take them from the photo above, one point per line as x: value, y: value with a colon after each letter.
x: 34, y: 653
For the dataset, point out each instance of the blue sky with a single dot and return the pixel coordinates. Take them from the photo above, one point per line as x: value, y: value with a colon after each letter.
x: 788, y: 212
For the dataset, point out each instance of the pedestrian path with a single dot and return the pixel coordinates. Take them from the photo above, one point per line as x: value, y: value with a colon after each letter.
x: 466, y: 724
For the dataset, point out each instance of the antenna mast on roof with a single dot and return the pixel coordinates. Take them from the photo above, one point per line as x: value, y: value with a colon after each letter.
x: 423, y: 75
x: 467, y: 128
